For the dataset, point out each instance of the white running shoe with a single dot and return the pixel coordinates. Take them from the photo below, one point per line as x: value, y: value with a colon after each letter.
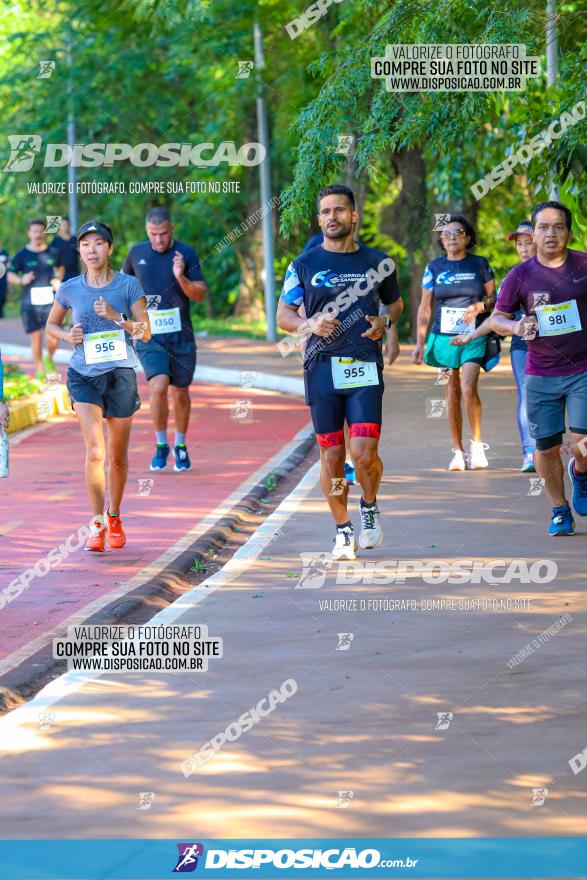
x: 458, y: 461
x: 371, y: 531
x: 477, y: 458
x: 345, y: 544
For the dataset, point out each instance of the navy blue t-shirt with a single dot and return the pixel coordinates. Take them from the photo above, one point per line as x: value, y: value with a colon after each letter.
x: 319, y: 277
x: 42, y: 263
x: 67, y: 249
x: 456, y: 283
x: 162, y: 290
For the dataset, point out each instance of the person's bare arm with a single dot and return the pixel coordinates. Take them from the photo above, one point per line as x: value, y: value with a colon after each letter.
x: 490, y: 294
x: 289, y: 320
x: 484, y: 329
x: 391, y: 347
x: 21, y: 280
x: 195, y: 290
x: 422, y: 321
x: 504, y: 324
x: 142, y: 328
x: 54, y: 327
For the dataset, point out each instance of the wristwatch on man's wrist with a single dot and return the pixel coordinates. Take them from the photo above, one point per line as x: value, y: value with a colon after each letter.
x: 123, y: 319
x: 388, y: 323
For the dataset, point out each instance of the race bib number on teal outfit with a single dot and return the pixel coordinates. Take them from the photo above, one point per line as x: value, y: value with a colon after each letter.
x: 451, y: 320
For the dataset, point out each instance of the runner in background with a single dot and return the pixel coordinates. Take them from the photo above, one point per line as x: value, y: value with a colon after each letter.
x: 101, y: 378
x: 66, y: 245
x: 551, y: 288
x: 4, y: 266
x: 169, y: 273
x: 522, y: 236
x: 38, y: 270
x: 462, y: 285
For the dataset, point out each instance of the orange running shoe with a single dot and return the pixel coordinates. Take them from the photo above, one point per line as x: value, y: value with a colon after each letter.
x: 95, y: 540
x: 115, y: 537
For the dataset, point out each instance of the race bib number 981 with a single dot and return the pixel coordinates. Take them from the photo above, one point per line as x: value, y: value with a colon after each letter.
x: 559, y: 319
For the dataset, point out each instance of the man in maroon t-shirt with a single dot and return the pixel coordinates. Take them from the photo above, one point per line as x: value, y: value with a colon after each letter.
x: 552, y: 289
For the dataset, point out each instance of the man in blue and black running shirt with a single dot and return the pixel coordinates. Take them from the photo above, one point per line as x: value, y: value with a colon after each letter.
x: 170, y: 275
x: 341, y: 285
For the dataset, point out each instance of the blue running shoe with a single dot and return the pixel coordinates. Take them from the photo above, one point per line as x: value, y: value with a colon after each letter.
x: 182, y: 459
x: 350, y: 473
x: 579, y: 482
x: 159, y: 462
x: 562, y: 522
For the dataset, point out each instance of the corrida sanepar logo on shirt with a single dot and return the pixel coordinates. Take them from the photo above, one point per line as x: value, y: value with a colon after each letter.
x: 454, y: 277
x: 328, y: 278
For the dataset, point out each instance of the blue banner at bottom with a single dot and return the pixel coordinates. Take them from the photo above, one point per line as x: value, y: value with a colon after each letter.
x: 454, y: 858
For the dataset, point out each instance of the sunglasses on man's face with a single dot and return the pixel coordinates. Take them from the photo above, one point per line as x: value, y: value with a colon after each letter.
x: 449, y: 234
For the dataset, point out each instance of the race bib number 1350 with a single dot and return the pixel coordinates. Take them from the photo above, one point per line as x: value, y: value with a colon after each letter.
x: 165, y: 320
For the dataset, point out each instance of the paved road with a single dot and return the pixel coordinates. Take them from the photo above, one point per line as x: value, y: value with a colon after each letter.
x: 44, y: 502
x: 364, y: 719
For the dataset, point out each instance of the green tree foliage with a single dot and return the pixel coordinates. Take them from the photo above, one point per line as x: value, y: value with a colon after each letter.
x: 158, y: 71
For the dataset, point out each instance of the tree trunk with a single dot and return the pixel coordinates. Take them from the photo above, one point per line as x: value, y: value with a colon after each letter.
x: 408, y: 220
x: 249, y: 251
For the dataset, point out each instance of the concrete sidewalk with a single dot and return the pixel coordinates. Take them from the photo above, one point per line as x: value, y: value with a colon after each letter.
x: 364, y: 719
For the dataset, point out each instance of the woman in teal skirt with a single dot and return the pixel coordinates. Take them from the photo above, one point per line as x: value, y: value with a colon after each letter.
x: 461, y: 285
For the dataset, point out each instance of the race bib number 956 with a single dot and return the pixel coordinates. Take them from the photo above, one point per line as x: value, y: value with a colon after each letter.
x: 107, y: 346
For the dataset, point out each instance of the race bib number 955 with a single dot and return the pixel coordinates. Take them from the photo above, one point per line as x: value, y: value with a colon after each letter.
x: 349, y: 373
x: 107, y: 346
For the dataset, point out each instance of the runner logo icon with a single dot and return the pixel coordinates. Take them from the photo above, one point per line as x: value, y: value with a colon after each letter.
x: 187, y: 860
x: 315, y: 566
x: 23, y: 149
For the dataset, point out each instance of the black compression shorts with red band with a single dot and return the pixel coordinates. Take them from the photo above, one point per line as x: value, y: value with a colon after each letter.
x: 331, y: 407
